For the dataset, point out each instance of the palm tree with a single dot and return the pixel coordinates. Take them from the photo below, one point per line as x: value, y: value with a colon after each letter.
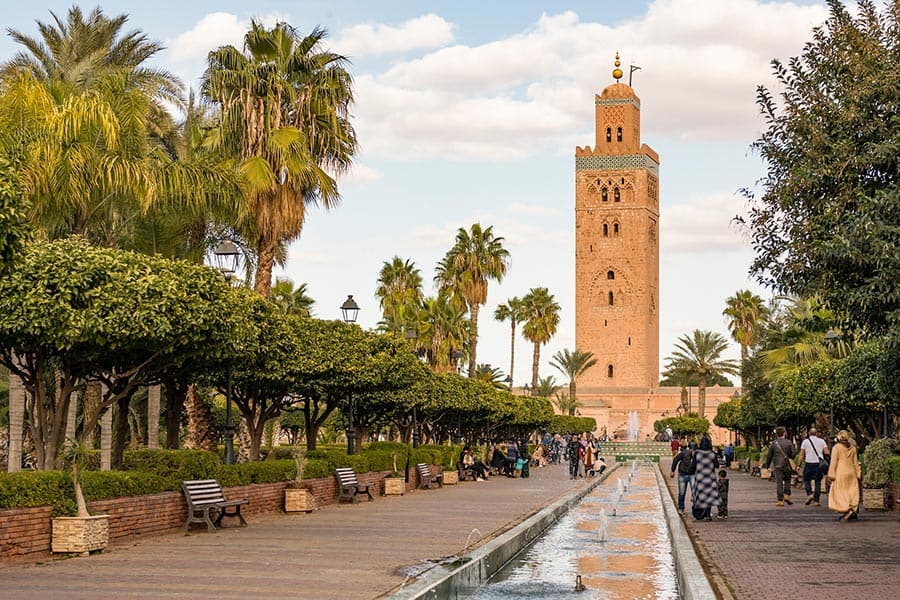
x: 745, y: 311
x: 477, y: 257
x: 566, y: 404
x: 701, y: 354
x: 491, y: 375
x: 292, y: 301
x: 546, y: 387
x: 443, y: 330
x: 285, y: 114
x: 512, y: 311
x: 573, y: 365
x: 399, y: 294
x: 541, y: 313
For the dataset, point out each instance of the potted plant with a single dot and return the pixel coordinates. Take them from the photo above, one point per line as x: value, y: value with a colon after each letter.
x: 394, y: 483
x: 876, y: 472
x: 84, y: 532
x: 297, y: 495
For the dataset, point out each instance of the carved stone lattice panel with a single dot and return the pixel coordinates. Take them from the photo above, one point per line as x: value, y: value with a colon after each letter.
x: 619, y: 102
x: 616, y: 161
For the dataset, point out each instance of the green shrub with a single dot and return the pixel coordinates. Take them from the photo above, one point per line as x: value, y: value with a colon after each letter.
x: 281, y: 452
x: 105, y: 485
x: 183, y: 465
x: 38, y: 488
x: 875, y: 459
x: 267, y: 471
x: 894, y: 467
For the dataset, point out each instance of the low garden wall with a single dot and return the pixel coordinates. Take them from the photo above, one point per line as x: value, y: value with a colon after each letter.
x: 25, y: 532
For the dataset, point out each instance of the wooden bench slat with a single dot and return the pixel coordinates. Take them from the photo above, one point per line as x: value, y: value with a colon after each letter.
x: 349, y: 486
x: 204, y: 495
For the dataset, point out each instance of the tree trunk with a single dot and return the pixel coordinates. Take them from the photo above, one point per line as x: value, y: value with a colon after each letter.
x: 200, y: 423
x: 473, y: 339
x: 265, y: 260
x: 535, y: 361
x: 120, y: 432
x: 93, y: 392
x: 701, y: 394
x: 175, y: 395
x: 512, y: 353
x: 244, y: 441
x: 572, y: 393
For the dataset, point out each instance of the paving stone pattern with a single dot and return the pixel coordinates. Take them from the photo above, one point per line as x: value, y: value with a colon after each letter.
x: 761, y: 551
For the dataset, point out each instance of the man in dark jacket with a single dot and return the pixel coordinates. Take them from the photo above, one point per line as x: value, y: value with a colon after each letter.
x: 780, y: 454
x: 684, y: 464
x: 572, y: 451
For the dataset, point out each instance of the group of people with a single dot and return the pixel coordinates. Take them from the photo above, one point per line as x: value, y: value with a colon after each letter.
x: 583, y: 455
x: 816, y: 461
x: 697, y: 467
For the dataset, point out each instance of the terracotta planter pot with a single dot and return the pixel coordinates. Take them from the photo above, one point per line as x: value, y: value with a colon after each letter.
x: 394, y: 486
x: 299, y: 500
x: 80, y: 534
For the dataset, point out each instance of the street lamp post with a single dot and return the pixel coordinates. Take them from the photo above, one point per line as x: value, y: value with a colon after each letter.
x: 830, y: 339
x: 227, y: 257
x: 349, y: 312
x: 457, y: 355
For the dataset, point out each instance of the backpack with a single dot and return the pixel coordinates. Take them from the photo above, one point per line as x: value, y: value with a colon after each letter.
x: 684, y: 467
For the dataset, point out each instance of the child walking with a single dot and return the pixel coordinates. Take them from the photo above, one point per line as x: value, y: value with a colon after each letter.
x: 723, y: 494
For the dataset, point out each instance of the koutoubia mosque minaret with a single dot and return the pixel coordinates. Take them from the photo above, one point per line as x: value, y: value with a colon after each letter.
x: 617, y: 246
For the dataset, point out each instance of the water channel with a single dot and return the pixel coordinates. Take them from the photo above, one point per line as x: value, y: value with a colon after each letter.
x: 614, y: 544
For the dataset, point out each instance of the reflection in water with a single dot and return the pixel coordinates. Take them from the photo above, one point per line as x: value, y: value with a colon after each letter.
x: 627, y: 557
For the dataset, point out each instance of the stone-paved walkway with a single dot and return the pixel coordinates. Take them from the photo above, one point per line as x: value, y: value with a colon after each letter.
x: 763, y: 551
x: 341, y: 552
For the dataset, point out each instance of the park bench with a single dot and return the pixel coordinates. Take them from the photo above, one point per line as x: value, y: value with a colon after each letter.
x: 204, y: 495
x: 465, y: 472
x: 349, y: 486
x: 426, y: 477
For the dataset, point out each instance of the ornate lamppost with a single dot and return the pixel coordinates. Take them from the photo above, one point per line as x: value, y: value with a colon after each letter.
x: 227, y: 258
x: 349, y: 312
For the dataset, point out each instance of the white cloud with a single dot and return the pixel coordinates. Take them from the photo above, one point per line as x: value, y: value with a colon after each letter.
x: 525, y: 94
x: 427, y: 31
x: 703, y: 225
x: 212, y: 31
x: 360, y: 174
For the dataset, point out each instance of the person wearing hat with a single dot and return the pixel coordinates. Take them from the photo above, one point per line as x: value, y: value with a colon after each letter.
x: 844, y: 474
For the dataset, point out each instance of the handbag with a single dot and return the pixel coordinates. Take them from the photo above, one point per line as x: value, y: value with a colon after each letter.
x: 789, y: 459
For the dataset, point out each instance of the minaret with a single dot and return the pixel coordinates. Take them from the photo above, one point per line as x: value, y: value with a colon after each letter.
x: 617, y: 246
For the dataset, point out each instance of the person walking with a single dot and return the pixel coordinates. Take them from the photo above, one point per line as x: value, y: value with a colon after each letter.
x: 728, y: 452
x: 723, y: 494
x: 781, y: 456
x: 705, y: 493
x: 844, y: 474
x: 814, y: 458
x: 684, y: 464
x: 572, y: 450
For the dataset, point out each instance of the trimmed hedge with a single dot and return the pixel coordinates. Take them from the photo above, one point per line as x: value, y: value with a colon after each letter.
x: 155, y: 471
x: 894, y: 468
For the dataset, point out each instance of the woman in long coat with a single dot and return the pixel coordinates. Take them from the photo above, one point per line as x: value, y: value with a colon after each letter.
x: 844, y: 474
x: 705, y: 494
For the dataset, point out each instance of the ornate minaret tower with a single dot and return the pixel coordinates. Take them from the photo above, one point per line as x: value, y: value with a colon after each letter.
x: 617, y: 246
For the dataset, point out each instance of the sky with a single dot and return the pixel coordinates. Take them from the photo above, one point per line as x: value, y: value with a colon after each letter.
x: 471, y: 111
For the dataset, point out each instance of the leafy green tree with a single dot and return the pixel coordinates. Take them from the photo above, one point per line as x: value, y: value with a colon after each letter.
x: 687, y: 425
x: 701, y: 354
x: 491, y: 375
x: 573, y: 364
x: 566, y: 404
x: 676, y: 378
x: 541, y: 320
x: 443, y: 329
x: 284, y: 106
x: 74, y: 313
x: 14, y: 226
x: 825, y: 220
x: 476, y: 257
x: 510, y: 311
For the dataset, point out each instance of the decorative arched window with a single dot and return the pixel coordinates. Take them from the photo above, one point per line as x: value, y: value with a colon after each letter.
x: 605, y: 230
x: 604, y: 195
x: 629, y: 340
x: 609, y: 134
x: 611, y: 299
x: 610, y: 275
x: 609, y: 371
x: 617, y: 195
x: 618, y: 134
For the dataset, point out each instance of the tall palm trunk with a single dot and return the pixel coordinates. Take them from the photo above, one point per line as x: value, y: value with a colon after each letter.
x: 701, y: 394
x: 534, y: 364
x: 89, y: 408
x: 512, y: 353
x: 473, y: 339
x: 265, y: 262
x: 200, y: 429
x: 572, y: 392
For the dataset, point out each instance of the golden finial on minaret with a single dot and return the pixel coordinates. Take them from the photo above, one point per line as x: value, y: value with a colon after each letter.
x: 617, y: 72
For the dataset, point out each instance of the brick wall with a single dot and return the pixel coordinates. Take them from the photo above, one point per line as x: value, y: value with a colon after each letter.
x: 25, y: 532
